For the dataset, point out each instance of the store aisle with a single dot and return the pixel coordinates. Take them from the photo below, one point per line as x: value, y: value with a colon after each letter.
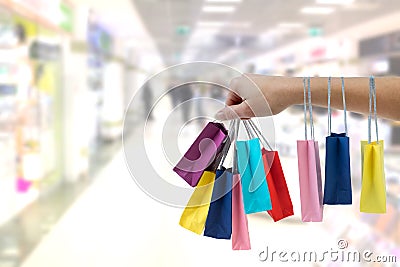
x: 114, y: 223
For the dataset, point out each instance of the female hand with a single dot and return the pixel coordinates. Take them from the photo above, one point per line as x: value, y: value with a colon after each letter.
x: 255, y: 95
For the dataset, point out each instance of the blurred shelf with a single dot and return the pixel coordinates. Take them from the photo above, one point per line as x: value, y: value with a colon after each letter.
x: 33, y: 15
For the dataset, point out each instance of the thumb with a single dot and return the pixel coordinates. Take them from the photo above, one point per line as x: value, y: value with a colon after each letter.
x: 241, y: 110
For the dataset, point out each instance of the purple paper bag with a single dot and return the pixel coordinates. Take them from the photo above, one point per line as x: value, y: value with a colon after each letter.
x: 201, y: 153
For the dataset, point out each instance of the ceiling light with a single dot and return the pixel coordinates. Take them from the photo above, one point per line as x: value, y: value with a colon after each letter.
x: 224, y: 1
x: 291, y: 25
x: 219, y: 9
x: 335, y: 2
x: 317, y: 10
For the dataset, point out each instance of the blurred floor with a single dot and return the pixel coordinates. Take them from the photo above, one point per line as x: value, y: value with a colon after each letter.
x: 113, y: 223
x: 20, y: 235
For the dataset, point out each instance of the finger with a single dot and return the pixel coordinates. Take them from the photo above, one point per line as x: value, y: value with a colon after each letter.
x: 241, y: 110
x: 233, y: 99
x: 243, y: 87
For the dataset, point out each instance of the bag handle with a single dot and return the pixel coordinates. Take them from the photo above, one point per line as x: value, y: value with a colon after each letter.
x: 234, y: 164
x: 329, y: 106
x: 259, y: 134
x: 248, y: 130
x: 227, y: 146
x: 309, y: 108
x: 372, y: 95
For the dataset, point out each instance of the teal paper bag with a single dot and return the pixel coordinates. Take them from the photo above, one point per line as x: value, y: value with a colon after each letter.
x: 256, y: 195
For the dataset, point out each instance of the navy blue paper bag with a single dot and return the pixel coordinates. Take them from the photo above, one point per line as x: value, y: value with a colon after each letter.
x: 337, y: 161
x: 219, y: 219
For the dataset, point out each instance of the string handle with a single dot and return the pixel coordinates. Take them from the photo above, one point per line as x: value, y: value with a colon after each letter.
x: 225, y: 150
x: 235, y: 163
x: 372, y: 96
x: 329, y: 106
x: 248, y: 130
x: 305, y: 108
x: 259, y: 134
x: 309, y: 108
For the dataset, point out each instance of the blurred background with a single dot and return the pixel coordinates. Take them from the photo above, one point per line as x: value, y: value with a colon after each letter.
x: 68, y: 70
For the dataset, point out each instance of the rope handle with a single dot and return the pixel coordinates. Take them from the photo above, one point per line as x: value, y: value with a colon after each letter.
x: 372, y: 96
x: 259, y: 134
x: 227, y: 146
x: 250, y: 134
x: 234, y: 166
x: 309, y: 108
x: 329, y: 106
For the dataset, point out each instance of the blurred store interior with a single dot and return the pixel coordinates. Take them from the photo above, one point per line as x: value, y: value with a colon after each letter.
x: 68, y: 71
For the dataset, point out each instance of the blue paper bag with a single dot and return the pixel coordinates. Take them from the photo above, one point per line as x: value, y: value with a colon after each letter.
x: 256, y: 195
x: 219, y: 219
x: 337, y: 161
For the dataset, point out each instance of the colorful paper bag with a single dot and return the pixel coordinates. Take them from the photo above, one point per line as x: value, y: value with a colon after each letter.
x: 309, y: 169
x: 201, y: 153
x: 282, y: 206
x: 240, y: 231
x: 219, y: 219
x: 373, y: 185
x: 195, y: 213
x: 337, y: 188
x: 256, y: 196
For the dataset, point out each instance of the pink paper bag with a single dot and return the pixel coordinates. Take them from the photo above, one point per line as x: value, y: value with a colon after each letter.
x: 310, y: 181
x: 309, y: 169
x: 240, y: 231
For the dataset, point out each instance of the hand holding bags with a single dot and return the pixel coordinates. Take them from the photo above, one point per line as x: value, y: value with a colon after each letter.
x: 309, y: 169
x: 240, y: 232
x: 282, y: 206
x: 373, y: 187
x: 201, y: 153
x: 337, y: 160
x: 226, y: 217
x: 256, y: 195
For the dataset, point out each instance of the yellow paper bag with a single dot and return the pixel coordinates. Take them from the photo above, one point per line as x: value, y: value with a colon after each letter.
x: 373, y: 185
x: 195, y: 214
